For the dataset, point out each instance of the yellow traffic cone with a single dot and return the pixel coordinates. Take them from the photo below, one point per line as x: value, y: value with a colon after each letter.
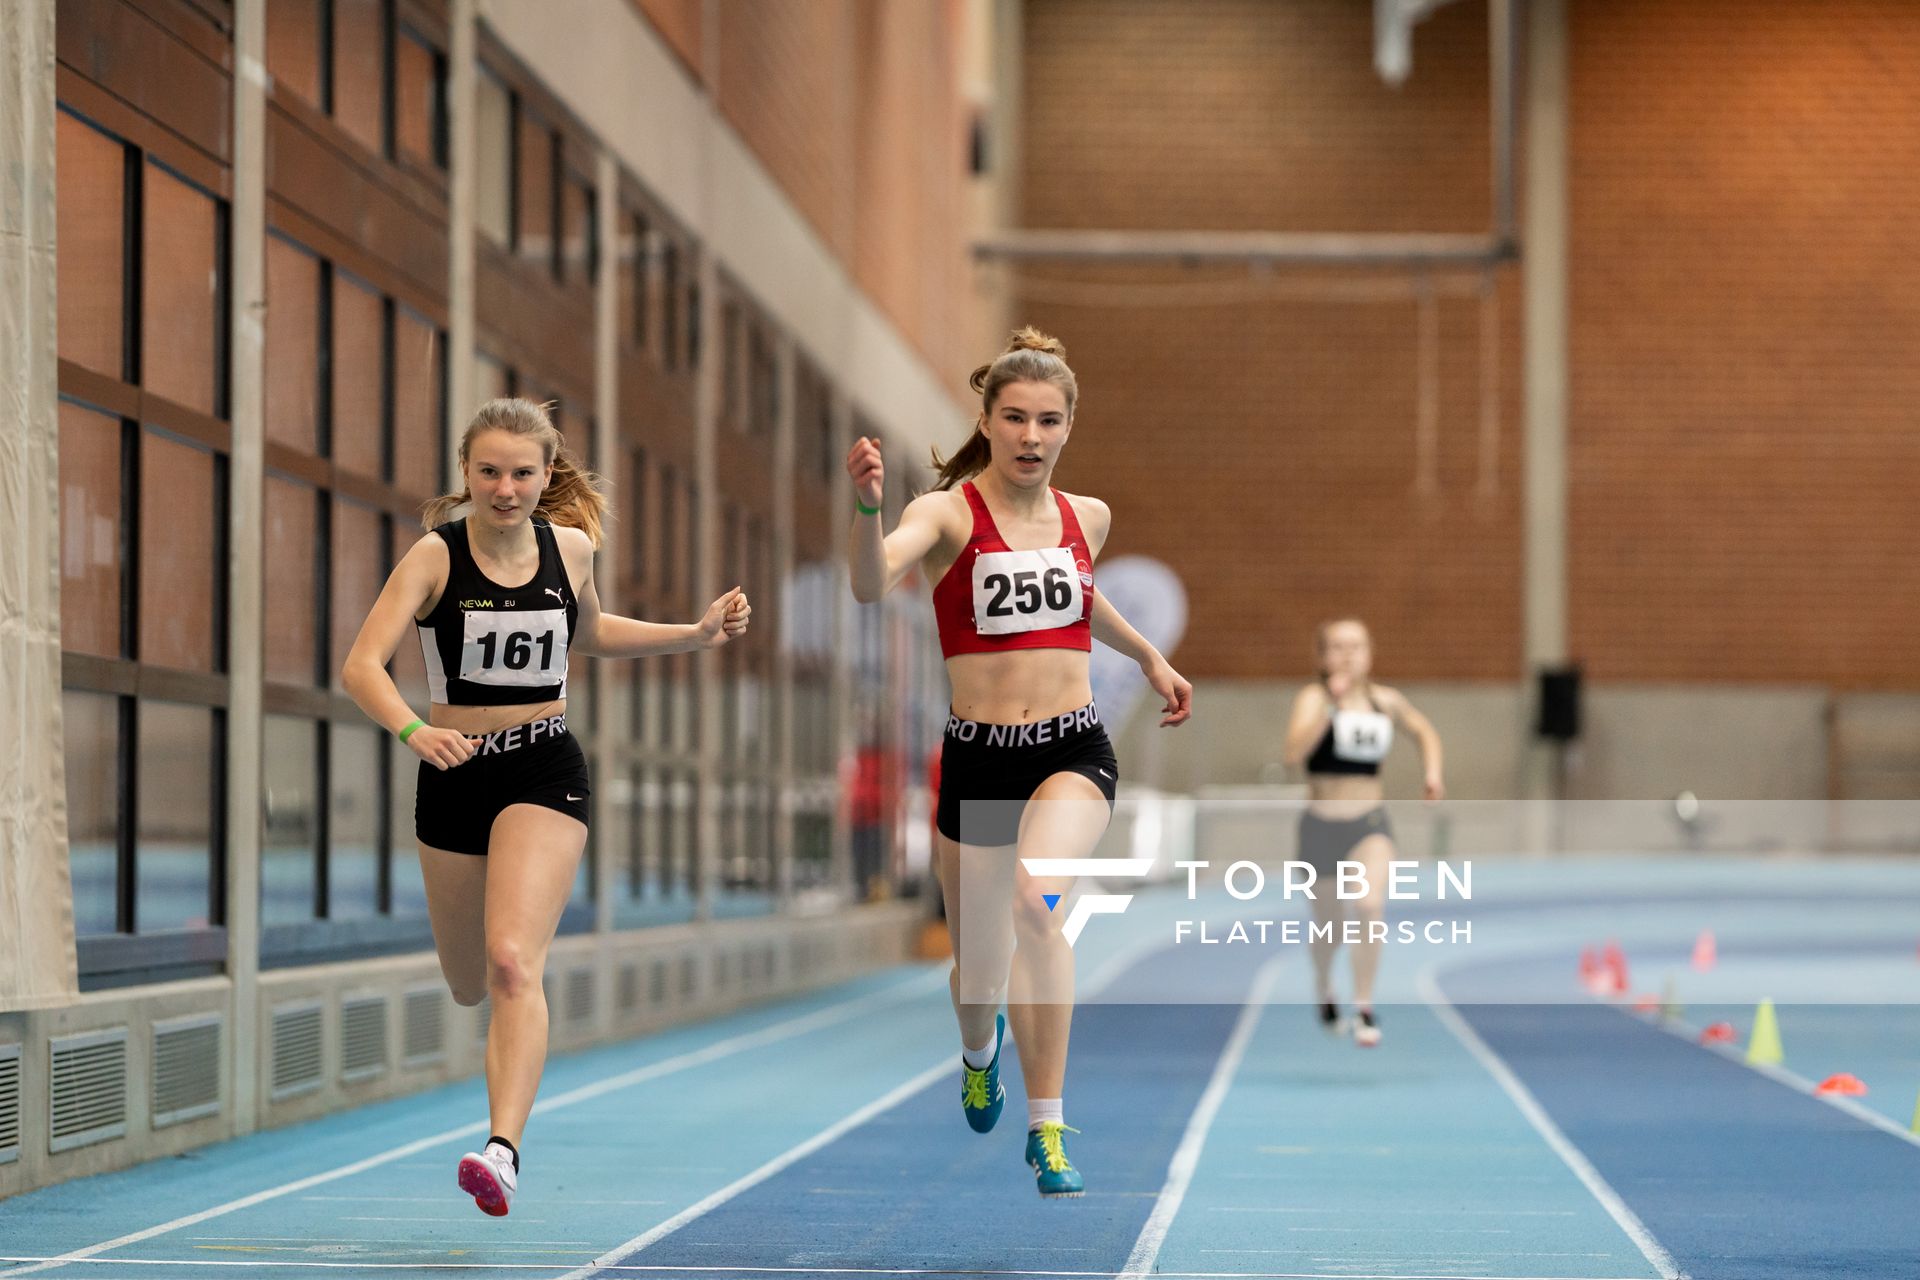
x: 1916, y: 1115
x: 1671, y: 1010
x: 1764, y: 1048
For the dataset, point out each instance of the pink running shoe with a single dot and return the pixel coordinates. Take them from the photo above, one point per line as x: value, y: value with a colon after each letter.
x: 489, y: 1178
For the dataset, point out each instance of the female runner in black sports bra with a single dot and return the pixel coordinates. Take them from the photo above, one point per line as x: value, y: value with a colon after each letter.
x: 500, y: 813
x: 1341, y: 729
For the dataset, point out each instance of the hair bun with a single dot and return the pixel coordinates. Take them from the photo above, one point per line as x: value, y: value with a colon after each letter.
x: 1028, y: 338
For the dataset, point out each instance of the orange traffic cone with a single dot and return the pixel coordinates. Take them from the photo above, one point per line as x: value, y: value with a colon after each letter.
x: 1845, y: 1084
x: 1705, y: 953
x: 1615, y: 961
x: 1590, y: 970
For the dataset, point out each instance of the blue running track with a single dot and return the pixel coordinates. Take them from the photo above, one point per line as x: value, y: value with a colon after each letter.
x: 1511, y: 1126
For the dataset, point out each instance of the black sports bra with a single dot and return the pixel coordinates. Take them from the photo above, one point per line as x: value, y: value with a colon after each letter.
x: 1355, y: 742
x: 489, y: 645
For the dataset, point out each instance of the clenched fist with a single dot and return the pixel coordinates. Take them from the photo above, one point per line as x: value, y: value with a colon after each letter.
x: 863, y: 464
x: 725, y: 618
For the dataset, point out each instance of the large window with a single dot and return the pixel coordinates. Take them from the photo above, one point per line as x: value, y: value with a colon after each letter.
x: 732, y: 374
x: 493, y: 174
x: 635, y: 280
x: 657, y: 874
x: 356, y: 435
x: 359, y: 96
x: 143, y: 548
x: 419, y: 100
x: 672, y: 306
x: 297, y: 48
x: 535, y: 274
x: 381, y: 80
x: 749, y: 372
x: 808, y: 602
x: 749, y: 875
x: 96, y: 170
x: 763, y: 383
x: 536, y: 190
x: 658, y: 293
x: 580, y: 230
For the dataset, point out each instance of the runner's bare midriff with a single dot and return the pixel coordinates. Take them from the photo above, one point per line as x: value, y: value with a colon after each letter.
x: 475, y: 721
x: 1019, y: 686
x: 1340, y: 797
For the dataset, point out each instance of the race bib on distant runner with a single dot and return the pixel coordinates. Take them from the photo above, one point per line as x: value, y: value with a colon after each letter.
x: 1363, y: 737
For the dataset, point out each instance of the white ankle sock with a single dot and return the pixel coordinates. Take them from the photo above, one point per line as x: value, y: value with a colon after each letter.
x: 1041, y: 1110
x: 979, y: 1059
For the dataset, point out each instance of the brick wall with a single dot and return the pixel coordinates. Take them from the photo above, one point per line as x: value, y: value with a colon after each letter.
x: 1251, y: 115
x: 678, y: 22
x: 1745, y: 436
x: 1262, y: 445
x: 910, y: 176
x: 1745, y: 385
x: 854, y: 107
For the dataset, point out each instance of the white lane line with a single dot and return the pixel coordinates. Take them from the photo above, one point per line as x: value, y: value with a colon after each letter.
x: 1651, y: 1249
x: 635, y: 1268
x: 1186, y: 1157
x: 852, y: 1120
x: 829, y: 1016
x: 1476, y: 1232
x: 832, y: 1133
x: 322, y: 1240
x: 796, y: 1026
x: 1375, y: 1211
x: 571, y: 1201
x: 1389, y: 1257
x: 465, y: 1220
x: 1780, y: 1075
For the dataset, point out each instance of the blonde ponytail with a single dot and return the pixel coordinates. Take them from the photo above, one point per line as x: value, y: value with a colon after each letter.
x: 575, y: 497
x: 440, y: 510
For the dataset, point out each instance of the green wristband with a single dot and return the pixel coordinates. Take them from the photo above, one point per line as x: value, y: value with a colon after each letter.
x: 864, y: 509
x: 408, y: 731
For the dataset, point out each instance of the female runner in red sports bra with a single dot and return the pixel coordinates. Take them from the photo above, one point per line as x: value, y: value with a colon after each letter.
x: 1012, y: 560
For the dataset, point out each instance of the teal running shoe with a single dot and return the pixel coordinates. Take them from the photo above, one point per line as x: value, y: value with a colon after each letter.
x: 981, y: 1093
x: 1052, y: 1171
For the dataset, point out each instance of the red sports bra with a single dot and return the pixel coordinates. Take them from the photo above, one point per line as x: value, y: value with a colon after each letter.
x: 994, y: 598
